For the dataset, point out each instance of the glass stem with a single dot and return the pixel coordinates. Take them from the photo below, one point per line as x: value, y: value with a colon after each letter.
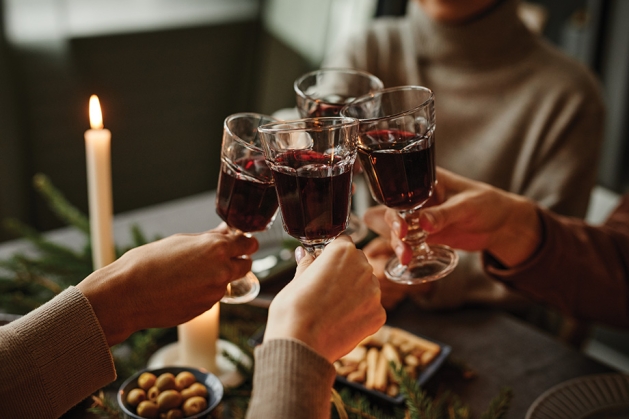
x: 315, y: 250
x: 416, y: 236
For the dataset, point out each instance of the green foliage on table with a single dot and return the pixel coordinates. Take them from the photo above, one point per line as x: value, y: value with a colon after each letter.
x: 30, y: 280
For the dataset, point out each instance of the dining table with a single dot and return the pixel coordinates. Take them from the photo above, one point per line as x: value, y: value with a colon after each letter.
x: 502, y: 350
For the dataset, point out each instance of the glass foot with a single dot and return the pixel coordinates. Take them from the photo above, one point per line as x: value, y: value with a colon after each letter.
x: 438, y: 263
x: 242, y: 290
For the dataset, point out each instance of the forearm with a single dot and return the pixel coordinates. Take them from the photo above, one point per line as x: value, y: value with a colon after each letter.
x: 290, y: 381
x: 582, y: 270
x: 53, y: 358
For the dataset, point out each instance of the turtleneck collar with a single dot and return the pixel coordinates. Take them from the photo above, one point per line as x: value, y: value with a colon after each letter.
x: 495, y: 36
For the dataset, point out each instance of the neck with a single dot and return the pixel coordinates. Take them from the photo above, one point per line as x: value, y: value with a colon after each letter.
x: 490, y: 36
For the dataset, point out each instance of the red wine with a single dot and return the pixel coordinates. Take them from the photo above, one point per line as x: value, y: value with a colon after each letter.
x: 400, y: 167
x: 245, y: 202
x: 330, y: 105
x: 314, y: 193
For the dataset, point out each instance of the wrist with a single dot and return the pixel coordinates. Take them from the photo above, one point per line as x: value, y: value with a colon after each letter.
x: 520, y: 235
x: 106, y: 303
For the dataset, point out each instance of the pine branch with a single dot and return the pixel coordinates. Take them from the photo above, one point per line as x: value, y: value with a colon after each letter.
x: 41, y: 243
x: 104, y: 408
x: 64, y: 210
x: 499, y: 406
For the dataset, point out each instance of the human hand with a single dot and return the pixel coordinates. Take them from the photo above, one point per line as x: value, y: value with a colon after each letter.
x: 167, y: 282
x: 378, y: 251
x: 472, y: 216
x: 332, y: 303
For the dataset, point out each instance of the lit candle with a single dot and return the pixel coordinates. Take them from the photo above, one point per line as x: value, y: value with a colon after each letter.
x: 98, y: 156
x: 197, y: 340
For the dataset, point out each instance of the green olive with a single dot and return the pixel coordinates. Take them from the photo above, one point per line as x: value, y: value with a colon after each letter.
x: 146, y: 380
x: 153, y: 393
x: 184, y: 379
x: 166, y: 381
x: 147, y: 409
x: 194, y: 405
x: 172, y: 414
x: 136, y: 396
x: 168, y: 399
x: 196, y: 389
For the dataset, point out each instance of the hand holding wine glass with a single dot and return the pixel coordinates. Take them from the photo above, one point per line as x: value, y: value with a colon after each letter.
x: 396, y: 150
x: 245, y: 196
x: 311, y: 161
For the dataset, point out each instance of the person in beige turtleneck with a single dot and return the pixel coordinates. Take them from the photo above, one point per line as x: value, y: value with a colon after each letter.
x: 512, y: 111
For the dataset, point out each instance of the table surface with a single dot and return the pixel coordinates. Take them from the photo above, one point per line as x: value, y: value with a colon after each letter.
x: 502, y: 350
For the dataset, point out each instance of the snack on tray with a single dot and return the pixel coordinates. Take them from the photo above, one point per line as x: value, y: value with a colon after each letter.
x: 368, y: 363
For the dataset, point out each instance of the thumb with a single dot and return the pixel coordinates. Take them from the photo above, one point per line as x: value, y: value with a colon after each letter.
x: 303, y: 259
x: 435, y: 219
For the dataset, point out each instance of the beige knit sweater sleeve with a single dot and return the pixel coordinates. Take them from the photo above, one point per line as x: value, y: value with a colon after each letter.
x: 290, y: 381
x: 52, y: 358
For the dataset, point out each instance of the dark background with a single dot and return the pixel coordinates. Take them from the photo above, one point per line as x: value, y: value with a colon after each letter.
x: 165, y: 93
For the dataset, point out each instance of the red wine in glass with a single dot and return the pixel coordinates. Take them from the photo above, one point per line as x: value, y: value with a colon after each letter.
x: 329, y: 105
x: 400, y: 166
x: 396, y: 149
x: 243, y: 201
x: 314, y: 191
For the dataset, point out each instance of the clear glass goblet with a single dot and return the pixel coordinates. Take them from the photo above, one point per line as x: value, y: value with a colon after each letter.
x: 396, y: 147
x: 324, y: 92
x: 312, y: 161
x: 245, y: 195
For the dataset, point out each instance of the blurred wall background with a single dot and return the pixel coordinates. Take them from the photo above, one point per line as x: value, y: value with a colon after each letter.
x: 167, y: 72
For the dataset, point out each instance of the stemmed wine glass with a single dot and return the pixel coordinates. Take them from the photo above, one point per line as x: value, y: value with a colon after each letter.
x: 245, y: 196
x: 396, y: 148
x: 312, y: 161
x: 324, y: 92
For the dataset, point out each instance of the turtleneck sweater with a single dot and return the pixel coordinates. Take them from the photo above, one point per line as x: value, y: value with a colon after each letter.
x: 511, y: 111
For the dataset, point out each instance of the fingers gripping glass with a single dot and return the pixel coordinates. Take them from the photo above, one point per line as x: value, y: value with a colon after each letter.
x: 396, y: 149
x: 245, y: 196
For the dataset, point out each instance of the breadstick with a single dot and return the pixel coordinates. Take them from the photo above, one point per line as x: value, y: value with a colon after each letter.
x: 355, y: 356
x: 382, y: 368
x: 423, y: 344
x: 391, y: 354
x: 427, y: 357
x: 372, y: 363
x: 378, y: 338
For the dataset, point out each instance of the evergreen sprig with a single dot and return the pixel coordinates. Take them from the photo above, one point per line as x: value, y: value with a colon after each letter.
x: 29, y: 280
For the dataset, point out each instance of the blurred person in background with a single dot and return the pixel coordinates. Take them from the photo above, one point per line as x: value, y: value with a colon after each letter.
x: 512, y: 111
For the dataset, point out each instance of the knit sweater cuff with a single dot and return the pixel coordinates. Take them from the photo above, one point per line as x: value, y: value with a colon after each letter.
x: 291, y: 381
x: 66, y: 346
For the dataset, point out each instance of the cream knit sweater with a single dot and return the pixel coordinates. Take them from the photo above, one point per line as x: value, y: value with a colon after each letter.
x: 512, y: 111
x: 57, y: 355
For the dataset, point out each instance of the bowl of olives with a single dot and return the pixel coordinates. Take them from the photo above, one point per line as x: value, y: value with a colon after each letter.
x: 170, y: 393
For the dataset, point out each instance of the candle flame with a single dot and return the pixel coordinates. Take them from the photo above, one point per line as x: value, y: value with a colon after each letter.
x: 96, y: 116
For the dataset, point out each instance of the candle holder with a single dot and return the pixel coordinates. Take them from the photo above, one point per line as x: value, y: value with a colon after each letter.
x: 198, y: 346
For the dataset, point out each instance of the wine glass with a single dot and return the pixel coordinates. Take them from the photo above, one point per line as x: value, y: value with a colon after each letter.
x: 396, y: 147
x: 312, y: 161
x: 245, y: 196
x: 324, y: 92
